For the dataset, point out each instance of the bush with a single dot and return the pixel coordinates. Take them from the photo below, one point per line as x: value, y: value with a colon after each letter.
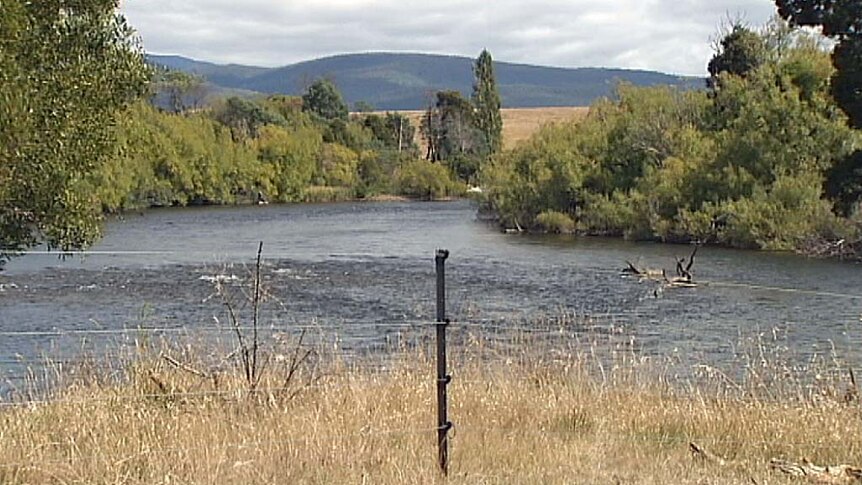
x: 320, y: 194
x: 555, y: 222
x: 424, y: 180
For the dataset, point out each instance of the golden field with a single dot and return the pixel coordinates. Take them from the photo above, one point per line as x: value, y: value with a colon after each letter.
x: 518, y: 123
x: 520, y: 418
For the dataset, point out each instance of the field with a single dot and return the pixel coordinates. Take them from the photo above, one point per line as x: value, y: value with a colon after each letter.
x: 518, y: 123
x: 518, y: 416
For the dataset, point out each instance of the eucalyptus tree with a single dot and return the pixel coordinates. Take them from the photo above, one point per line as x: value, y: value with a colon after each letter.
x: 68, y: 69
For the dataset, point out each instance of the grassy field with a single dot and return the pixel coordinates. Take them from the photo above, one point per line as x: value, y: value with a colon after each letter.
x: 518, y: 123
x: 519, y: 417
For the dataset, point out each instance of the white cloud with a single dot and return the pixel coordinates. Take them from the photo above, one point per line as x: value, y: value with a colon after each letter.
x: 664, y: 35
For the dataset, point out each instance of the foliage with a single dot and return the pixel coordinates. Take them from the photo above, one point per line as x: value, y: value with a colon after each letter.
x: 363, y: 107
x: 251, y: 150
x: 245, y: 117
x: 338, y: 165
x: 486, y: 100
x: 290, y: 158
x: 555, y: 222
x: 182, y: 91
x: 65, y: 74
x: 743, y: 165
x: 841, y: 20
x: 741, y: 52
x: 451, y: 134
x: 425, y: 180
x: 392, y: 130
x: 847, y: 81
x: 323, y: 99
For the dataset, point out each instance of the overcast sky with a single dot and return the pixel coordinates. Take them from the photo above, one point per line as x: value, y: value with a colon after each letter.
x: 672, y: 36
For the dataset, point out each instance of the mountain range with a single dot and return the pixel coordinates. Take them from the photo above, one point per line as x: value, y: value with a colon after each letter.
x: 397, y: 81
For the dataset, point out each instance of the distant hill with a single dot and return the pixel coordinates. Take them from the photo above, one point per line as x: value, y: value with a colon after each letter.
x: 390, y: 81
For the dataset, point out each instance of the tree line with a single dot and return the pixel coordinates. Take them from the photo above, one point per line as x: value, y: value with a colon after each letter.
x: 88, y: 128
x: 766, y: 157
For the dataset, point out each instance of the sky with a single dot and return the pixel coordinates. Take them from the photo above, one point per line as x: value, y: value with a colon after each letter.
x: 672, y: 36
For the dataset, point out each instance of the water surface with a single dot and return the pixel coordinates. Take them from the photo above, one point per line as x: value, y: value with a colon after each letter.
x: 353, y: 266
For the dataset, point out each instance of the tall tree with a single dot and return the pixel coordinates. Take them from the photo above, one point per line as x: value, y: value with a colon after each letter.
x: 324, y: 99
x: 842, y: 21
x: 486, y: 100
x: 67, y: 70
x: 740, y: 52
x: 183, y: 91
x: 449, y: 129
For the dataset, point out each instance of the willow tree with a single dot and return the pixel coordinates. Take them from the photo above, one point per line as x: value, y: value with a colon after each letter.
x: 486, y: 100
x: 67, y: 70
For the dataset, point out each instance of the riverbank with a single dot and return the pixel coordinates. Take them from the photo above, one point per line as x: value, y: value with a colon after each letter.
x: 519, y: 417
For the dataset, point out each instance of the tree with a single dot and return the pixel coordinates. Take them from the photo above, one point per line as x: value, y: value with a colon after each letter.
x: 363, y: 107
x: 245, y: 118
x: 739, y: 53
x: 184, y: 91
x: 323, y: 99
x: 842, y: 21
x: 486, y: 100
x: 449, y: 129
x: 393, y: 130
x: 67, y: 70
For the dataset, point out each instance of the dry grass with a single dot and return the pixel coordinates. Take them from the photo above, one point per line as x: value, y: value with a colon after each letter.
x: 519, y: 124
x: 520, y: 417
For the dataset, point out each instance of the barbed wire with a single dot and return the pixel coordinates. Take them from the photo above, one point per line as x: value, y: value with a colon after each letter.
x: 238, y: 392
x: 549, y: 325
x: 628, y: 437
x: 256, y: 445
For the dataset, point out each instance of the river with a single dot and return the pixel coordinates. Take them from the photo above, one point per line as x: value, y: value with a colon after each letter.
x: 352, y: 266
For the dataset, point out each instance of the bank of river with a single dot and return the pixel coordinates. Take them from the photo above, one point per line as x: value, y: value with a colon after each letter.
x: 347, y: 266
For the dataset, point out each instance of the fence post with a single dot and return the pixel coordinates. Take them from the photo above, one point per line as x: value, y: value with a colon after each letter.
x: 443, y: 378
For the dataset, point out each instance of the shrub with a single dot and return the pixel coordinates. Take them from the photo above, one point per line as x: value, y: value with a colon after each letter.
x: 555, y: 222
x: 425, y: 180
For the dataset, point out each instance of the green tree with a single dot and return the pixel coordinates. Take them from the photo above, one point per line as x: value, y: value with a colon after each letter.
x: 363, y: 107
x: 740, y: 52
x: 184, y: 91
x: 67, y: 70
x: 393, y: 130
x: 449, y: 129
x: 840, y: 20
x: 486, y: 100
x: 323, y: 99
x: 245, y: 118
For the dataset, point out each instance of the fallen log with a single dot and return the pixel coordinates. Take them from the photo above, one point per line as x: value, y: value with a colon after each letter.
x: 829, y: 475
x: 645, y: 273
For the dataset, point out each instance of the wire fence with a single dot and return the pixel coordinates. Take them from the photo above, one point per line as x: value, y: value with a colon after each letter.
x: 493, y: 340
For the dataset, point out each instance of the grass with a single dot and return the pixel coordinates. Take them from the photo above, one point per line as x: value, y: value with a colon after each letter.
x: 521, y: 416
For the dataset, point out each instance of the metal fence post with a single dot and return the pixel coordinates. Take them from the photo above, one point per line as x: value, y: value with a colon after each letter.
x: 443, y: 378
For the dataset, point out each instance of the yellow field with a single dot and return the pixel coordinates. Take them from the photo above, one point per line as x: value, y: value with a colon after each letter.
x: 517, y: 420
x: 518, y: 123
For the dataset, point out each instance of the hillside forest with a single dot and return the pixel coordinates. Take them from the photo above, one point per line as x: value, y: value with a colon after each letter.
x: 766, y: 155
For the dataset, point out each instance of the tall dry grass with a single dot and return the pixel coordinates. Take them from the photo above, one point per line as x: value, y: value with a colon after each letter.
x: 543, y: 415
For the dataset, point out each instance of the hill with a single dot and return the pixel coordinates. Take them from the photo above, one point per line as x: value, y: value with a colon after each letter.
x: 391, y: 81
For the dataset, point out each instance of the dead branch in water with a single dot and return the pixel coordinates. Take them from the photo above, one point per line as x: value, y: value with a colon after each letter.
x: 683, y: 278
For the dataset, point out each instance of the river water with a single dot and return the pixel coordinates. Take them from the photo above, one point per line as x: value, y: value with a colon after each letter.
x: 354, y: 266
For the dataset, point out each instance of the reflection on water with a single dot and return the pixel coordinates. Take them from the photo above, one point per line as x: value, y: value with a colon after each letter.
x: 347, y: 266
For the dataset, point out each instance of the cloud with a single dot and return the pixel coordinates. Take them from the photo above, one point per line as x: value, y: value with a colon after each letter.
x: 665, y: 35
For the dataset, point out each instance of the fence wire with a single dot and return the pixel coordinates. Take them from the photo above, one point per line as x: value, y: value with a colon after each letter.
x: 507, y: 330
